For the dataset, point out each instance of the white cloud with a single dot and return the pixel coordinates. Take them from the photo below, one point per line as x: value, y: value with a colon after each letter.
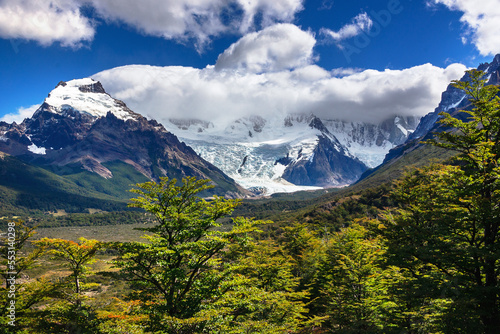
x: 21, y: 114
x: 359, y: 24
x: 196, y: 19
x: 62, y: 21
x: 170, y: 19
x: 46, y: 22
x: 279, y: 47
x: 272, y: 11
x: 483, y: 22
x: 214, y: 95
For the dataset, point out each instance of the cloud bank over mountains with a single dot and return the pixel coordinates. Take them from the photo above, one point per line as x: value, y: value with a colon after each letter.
x: 270, y: 69
x: 257, y: 77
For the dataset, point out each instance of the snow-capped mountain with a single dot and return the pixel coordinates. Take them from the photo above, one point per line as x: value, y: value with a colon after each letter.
x: 293, y: 152
x: 80, y: 125
x: 454, y: 98
x: 370, y: 142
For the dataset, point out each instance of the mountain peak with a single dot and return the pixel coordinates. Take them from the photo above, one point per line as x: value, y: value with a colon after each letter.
x: 496, y: 60
x: 85, y: 96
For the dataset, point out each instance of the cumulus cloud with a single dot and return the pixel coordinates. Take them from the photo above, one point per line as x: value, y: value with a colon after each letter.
x: 46, y: 22
x: 21, y: 114
x: 482, y: 20
x: 276, y: 48
x: 170, y: 19
x: 196, y: 19
x: 360, y: 23
x: 224, y: 96
x: 183, y: 20
x: 271, y: 10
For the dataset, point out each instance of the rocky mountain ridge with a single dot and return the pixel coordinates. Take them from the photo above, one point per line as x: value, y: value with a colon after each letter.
x: 454, y: 99
x: 81, y: 126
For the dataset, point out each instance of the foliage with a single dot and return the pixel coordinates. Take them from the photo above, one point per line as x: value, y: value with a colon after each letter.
x: 261, y: 295
x: 77, y: 257
x: 179, y: 269
x: 340, y: 212
x: 352, y: 285
x: 95, y: 219
x: 15, y: 262
x: 446, y: 230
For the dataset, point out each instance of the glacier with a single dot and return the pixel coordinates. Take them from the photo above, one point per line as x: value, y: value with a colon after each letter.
x: 256, y: 151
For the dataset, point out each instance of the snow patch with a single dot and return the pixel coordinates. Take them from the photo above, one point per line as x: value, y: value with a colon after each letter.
x: 454, y: 105
x: 37, y: 150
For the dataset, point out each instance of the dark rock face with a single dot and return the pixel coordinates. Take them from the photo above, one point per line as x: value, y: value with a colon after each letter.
x: 92, y: 88
x: 72, y: 137
x: 454, y: 99
x: 329, y: 165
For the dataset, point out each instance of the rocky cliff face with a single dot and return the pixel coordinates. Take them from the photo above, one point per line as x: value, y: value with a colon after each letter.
x: 80, y: 124
x: 453, y: 99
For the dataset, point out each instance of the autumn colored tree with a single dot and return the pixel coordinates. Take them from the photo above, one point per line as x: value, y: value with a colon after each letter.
x: 67, y: 312
x: 16, y: 257
x: 447, y: 227
x: 76, y: 257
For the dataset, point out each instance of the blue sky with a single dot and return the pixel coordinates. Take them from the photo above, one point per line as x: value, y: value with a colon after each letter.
x: 42, y: 43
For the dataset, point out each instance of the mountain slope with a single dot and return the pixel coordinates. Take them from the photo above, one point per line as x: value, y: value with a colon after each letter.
x: 90, y: 138
x: 27, y: 189
x: 276, y: 154
x: 413, y: 152
x: 292, y: 152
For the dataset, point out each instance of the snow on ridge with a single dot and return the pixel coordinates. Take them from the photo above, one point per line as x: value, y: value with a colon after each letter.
x: 69, y: 96
x: 454, y: 105
x: 37, y: 150
x: 272, y: 186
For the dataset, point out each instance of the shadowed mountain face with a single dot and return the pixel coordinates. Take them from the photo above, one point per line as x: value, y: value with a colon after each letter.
x: 453, y: 101
x: 81, y: 126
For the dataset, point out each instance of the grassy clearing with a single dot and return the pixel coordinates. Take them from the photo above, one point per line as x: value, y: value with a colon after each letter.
x: 110, y: 233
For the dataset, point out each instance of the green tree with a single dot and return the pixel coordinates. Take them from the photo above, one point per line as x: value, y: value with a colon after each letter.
x: 446, y: 230
x: 179, y: 268
x: 77, y: 257
x: 261, y: 295
x: 352, y: 288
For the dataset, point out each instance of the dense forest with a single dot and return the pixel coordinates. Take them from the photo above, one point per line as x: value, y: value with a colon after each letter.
x: 421, y: 255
